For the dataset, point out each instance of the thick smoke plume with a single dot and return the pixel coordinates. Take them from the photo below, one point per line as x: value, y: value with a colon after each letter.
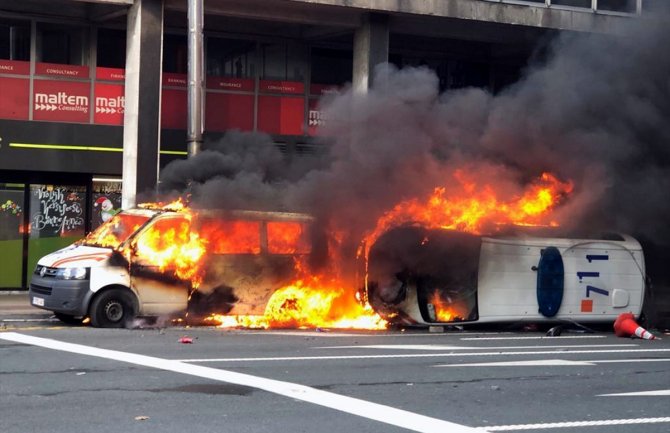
x: 597, y: 112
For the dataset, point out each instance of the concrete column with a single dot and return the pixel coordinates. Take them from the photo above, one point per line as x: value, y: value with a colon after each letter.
x: 141, y: 122
x: 371, y: 47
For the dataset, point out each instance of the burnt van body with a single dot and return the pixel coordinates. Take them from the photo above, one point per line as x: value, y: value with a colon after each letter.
x: 419, y: 276
x: 111, y: 277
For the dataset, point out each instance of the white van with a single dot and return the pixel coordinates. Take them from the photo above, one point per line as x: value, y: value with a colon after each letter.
x: 105, y: 276
x: 419, y: 276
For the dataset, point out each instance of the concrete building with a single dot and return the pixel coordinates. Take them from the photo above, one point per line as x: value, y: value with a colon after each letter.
x: 93, y: 92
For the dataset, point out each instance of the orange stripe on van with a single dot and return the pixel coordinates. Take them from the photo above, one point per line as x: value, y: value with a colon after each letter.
x: 96, y: 256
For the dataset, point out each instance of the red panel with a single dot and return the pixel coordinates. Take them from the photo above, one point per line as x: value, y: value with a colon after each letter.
x: 225, y: 111
x: 281, y: 115
x: 314, y: 117
x: 58, y: 70
x: 174, y: 80
x: 110, y: 74
x: 61, y: 101
x: 174, y: 109
x: 234, y: 84
x: 14, y: 67
x: 14, y: 98
x: 291, y: 87
x: 322, y: 89
x: 109, y: 104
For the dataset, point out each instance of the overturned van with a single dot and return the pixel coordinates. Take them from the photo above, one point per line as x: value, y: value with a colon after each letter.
x: 120, y: 271
x: 420, y: 276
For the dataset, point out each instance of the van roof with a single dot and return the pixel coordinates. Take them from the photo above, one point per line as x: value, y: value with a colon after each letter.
x: 229, y: 214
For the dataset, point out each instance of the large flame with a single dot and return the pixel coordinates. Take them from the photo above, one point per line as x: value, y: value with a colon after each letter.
x: 470, y: 206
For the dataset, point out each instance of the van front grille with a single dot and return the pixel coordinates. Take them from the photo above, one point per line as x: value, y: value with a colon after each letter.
x: 42, y: 290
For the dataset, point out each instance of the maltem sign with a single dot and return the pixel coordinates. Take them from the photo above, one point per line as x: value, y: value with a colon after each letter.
x: 61, y: 101
x: 110, y: 104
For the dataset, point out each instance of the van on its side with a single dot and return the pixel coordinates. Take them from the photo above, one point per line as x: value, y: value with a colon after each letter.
x: 106, y: 277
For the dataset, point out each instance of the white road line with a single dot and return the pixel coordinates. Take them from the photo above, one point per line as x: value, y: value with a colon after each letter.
x: 572, y: 424
x: 531, y: 363
x: 551, y: 362
x: 420, y: 355
x: 450, y: 347
x: 543, y: 337
x: 660, y: 392
x: 378, y: 412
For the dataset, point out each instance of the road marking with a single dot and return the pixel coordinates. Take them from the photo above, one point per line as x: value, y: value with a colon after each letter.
x: 449, y: 347
x: 551, y: 362
x: 660, y: 392
x: 572, y: 424
x: 543, y: 337
x: 532, y: 363
x: 420, y: 355
x: 378, y: 412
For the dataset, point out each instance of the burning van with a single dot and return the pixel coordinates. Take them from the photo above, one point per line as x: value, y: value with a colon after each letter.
x: 154, y: 262
x: 421, y: 276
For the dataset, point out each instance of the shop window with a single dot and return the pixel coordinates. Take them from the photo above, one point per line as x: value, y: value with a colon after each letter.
x: 572, y: 3
x: 231, y: 58
x: 106, y: 200
x: 175, y: 54
x: 62, y: 44
x: 11, y: 234
x: 627, y: 6
x: 283, y: 62
x: 15, y: 40
x: 111, y: 52
x: 57, y: 215
x: 331, y: 66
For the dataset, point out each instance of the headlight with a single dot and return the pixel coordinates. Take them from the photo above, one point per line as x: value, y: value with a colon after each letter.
x: 72, y: 273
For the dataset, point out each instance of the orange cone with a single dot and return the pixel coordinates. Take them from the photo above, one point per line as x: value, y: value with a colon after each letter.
x: 625, y: 326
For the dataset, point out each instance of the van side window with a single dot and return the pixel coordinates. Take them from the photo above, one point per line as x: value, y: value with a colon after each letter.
x: 288, y: 237
x: 231, y: 237
x: 161, y: 236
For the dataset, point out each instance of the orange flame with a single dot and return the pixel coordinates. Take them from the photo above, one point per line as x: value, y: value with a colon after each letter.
x: 470, y: 207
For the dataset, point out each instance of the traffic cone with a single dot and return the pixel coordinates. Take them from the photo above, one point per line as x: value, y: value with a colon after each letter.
x: 625, y: 326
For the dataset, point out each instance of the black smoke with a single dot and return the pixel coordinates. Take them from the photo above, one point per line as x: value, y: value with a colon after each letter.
x: 596, y: 111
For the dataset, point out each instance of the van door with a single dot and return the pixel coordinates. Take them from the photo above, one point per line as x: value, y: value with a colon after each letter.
x: 154, y: 274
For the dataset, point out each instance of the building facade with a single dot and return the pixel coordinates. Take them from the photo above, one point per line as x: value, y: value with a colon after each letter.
x: 93, y: 95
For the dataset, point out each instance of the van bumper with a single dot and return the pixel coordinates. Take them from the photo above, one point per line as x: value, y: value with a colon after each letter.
x: 61, y: 296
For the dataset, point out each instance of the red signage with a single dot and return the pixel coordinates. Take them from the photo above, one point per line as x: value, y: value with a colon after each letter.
x: 174, y: 80
x: 110, y: 74
x: 173, y: 109
x: 58, y: 70
x: 281, y: 115
x: 292, y: 87
x: 110, y: 104
x: 315, y: 117
x: 61, y: 101
x: 14, y: 67
x: 233, y: 84
x: 322, y: 89
x: 225, y: 111
x: 14, y: 98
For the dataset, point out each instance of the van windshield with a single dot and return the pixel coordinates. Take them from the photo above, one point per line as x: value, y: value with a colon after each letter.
x: 115, y: 231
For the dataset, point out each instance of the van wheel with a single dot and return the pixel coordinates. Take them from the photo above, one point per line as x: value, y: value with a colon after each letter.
x: 69, y: 319
x: 112, y: 309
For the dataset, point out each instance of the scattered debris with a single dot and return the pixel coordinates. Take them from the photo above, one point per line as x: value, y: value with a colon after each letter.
x: 555, y: 331
x: 185, y: 340
x: 81, y: 373
x: 141, y: 418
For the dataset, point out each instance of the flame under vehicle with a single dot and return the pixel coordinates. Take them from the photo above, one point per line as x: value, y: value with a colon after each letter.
x: 421, y: 276
x: 149, y: 262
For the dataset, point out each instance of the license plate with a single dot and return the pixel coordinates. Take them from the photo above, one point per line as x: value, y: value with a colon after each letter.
x: 38, y: 301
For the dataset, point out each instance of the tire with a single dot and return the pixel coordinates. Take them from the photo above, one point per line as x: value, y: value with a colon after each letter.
x: 69, y: 319
x: 113, y: 308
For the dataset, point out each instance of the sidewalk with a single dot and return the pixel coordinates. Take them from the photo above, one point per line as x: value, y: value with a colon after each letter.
x: 17, y: 305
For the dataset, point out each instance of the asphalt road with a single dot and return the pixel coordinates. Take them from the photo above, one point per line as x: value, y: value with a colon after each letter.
x: 324, y: 382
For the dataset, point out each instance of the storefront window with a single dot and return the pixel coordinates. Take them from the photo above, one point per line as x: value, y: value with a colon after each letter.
x: 57, y: 215
x: 628, y: 6
x: 175, y: 54
x: 572, y: 3
x: 111, y: 51
x: 231, y: 58
x: 106, y: 200
x: 331, y: 66
x: 11, y: 234
x: 283, y: 62
x: 63, y: 44
x: 14, y: 40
